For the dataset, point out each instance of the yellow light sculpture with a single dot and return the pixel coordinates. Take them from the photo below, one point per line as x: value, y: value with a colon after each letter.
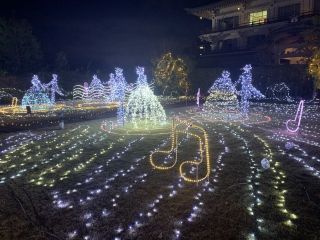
x: 14, y: 102
x: 203, y: 147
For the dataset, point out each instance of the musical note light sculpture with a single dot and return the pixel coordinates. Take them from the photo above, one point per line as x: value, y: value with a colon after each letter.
x: 14, y: 102
x: 203, y: 150
x: 297, y: 118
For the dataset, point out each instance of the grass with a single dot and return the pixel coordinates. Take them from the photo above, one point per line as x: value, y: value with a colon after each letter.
x: 284, y: 200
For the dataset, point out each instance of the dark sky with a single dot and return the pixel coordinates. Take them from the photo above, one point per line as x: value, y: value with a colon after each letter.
x: 110, y: 33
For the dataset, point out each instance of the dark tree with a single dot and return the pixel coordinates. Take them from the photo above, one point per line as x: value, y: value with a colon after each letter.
x: 19, y: 50
x: 61, y: 62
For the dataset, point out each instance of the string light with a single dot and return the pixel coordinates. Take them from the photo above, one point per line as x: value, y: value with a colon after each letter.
x: 198, y: 97
x: 222, y: 95
x: 53, y: 88
x: 36, y: 97
x: 142, y: 104
x: 14, y: 102
x: 95, y: 92
x: 203, y: 148
x: 171, y: 75
x: 118, y: 86
x: 247, y: 91
x: 297, y: 120
x: 279, y: 92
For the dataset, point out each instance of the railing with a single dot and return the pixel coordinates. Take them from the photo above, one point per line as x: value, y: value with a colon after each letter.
x: 265, y: 22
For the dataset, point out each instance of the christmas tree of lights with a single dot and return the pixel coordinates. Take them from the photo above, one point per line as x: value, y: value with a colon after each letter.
x: 142, y: 103
x: 53, y: 88
x: 247, y: 91
x: 36, y: 97
x: 96, y: 89
x: 121, y: 112
x: 117, y: 85
x: 222, y: 94
x: 85, y: 94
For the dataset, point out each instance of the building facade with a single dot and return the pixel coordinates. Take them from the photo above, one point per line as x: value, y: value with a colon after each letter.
x: 259, y: 31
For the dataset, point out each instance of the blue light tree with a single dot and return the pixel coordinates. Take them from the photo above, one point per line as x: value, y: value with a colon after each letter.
x: 36, y: 97
x: 118, y: 86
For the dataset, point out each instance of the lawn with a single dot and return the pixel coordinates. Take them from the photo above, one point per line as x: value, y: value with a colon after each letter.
x: 89, y: 182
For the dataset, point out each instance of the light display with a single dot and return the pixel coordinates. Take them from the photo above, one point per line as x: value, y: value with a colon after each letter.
x: 53, y: 88
x: 198, y: 97
x: 222, y: 95
x: 36, y: 97
x: 279, y: 92
x: 112, y: 86
x: 142, y: 103
x: 85, y: 90
x: 294, y: 124
x: 96, y: 90
x: 265, y: 163
x: 117, y: 85
x: 14, y: 102
x: 121, y: 114
x: 171, y: 75
x: 247, y: 91
x: 78, y: 92
x: 314, y: 69
x: 203, y: 149
x: 84, y: 166
x: 289, y: 145
x: 36, y: 84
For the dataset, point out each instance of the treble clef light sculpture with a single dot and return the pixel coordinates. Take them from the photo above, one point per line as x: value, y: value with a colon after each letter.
x: 296, y: 120
x: 185, y: 127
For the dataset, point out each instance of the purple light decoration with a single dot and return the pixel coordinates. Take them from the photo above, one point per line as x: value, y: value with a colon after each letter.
x: 296, y: 119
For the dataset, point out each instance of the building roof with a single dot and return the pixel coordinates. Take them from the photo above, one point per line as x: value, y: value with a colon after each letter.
x: 206, y: 11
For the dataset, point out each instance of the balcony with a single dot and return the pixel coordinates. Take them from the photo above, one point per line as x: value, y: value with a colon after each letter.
x: 266, y: 22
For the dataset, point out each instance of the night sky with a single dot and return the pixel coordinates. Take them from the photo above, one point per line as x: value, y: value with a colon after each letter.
x: 110, y: 33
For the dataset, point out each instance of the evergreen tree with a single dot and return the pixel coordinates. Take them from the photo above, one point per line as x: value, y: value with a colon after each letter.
x: 19, y: 49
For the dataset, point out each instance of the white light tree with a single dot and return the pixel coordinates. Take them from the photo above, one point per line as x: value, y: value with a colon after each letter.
x: 247, y: 90
x: 96, y: 89
x: 142, y: 103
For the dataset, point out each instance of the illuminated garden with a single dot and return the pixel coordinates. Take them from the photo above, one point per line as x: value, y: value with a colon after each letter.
x: 154, y: 152
x: 147, y: 172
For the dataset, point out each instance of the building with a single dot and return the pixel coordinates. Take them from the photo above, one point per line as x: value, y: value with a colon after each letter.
x: 258, y: 31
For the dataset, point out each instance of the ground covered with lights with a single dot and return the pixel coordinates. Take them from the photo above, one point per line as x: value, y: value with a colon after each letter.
x: 93, y: 181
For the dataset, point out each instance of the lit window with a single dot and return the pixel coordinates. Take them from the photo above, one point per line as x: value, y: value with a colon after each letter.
x: 258, y: 17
